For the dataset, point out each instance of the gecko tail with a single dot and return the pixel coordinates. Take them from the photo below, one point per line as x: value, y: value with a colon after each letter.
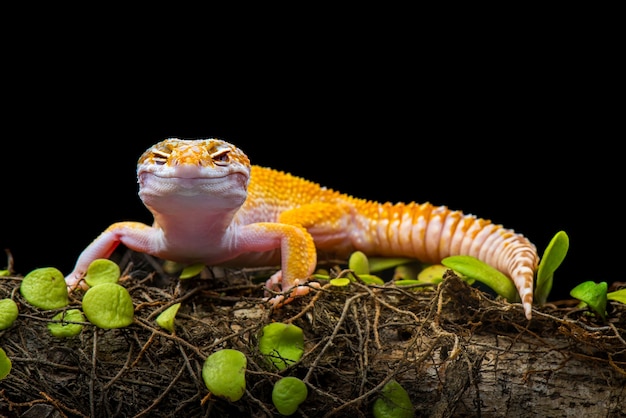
x: 432, y: 233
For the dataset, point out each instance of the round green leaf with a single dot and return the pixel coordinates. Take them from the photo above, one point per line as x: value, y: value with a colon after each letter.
x: 340, y: 282
x: 5, y: 364
x: 288, y: 393
x: 432, y: 274
x: 108, y: 305
x: 224, y: 374
x: 8, y: 313
x: 282, y: 344
x: 101, y: 271
x: 358, y: 263
x: 393, y: 402
x: 64, y: 329
x: 166, y: 318
x: 45, y: 288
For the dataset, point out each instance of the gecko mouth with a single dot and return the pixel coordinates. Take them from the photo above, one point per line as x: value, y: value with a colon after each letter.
x: 158, y: 184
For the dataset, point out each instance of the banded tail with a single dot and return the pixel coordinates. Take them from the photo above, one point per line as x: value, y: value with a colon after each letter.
x: 431, y: 233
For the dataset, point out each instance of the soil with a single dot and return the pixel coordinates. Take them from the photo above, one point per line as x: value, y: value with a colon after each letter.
x: 456, y: 349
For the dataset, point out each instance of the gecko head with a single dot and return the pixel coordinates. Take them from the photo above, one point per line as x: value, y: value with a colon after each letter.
x: 199, y: 172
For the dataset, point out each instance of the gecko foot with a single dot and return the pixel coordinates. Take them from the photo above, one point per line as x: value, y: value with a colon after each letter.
x: 75, y: 281
x: 288, y: 295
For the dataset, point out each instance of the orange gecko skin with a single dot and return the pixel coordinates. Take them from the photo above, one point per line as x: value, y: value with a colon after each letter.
x: 211, y: 205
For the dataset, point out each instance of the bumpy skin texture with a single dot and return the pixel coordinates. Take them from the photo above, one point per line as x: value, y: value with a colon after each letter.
x: 211, y: 206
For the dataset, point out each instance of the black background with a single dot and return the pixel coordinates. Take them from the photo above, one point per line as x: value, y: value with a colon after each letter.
x: 531, y: 142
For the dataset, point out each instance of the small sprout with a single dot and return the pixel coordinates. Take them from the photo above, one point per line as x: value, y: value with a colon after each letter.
x: 593, y: 294
x: 224, y: 374
x: 340, y: 281
x: 413, y: 274
x: 166, y: 318
x: 552, y: 258
x: 45, y: 288
x: 322, y: 272
x: 282, y: 344
x: 618, y: 295
x: 393, y: 402
x: 65, y: 329
x: 407, y: 271
x: 8, y: 313
x: 108, y: 305
x: 484, y: 273
x: 358, y: 263
x: 172, y: 267
x: 287, y: 395
x: 101, y: 271
x: 5, y: 273
x: 191, y: 271
x: 5, y: 364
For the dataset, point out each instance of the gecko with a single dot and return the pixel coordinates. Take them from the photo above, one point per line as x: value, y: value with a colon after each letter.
x: 211, y: 205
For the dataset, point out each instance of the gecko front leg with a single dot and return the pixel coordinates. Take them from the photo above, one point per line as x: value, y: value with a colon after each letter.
x: 135, y: 235
x: 298, y: 256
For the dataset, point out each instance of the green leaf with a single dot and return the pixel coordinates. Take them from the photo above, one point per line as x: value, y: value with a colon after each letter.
x: 407, y: 271
x: 320, y: 276
x: 282, y: 344
x: 8, y: 313
x: 424, y: 285
x: 377, y: 264
x: 60, y: 329
x: 618, y: 295
x: 408, y: 282
x: 5, y: 364
x: 552, y: 258
x: 5, y: 273
x: 358, y: 263
x: 166, y: 318
x: 108, y: 305
x: 484, y: 273
x: 224, y: 374
x: 287, y: 395
x: 432, y: 274
x: 340, y: 282
x: 45, y: 288
x: 101, y: 271
x: 192, y: 270
x: 393, y: 402
x: 593, y: 294
x: 371, y: 279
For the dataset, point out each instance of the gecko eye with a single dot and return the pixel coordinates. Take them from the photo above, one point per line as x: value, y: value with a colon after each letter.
x: 159, y: 157
x: 221, y: 157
